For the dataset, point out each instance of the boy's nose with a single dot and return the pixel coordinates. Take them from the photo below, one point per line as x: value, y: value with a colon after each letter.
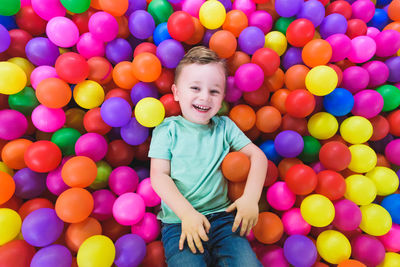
x: 204, y: 95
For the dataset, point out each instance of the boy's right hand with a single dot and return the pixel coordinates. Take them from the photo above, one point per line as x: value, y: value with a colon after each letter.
x: 195, y: 226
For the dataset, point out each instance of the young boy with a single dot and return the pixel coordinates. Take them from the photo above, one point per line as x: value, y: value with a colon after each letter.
x: 186, y: 153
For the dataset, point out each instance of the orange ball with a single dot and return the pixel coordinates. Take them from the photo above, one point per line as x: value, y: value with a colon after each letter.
x: 278, y: 99
x: 74, y: 205
x: 123, y: 27
x: 235, y: 166
x: 394, y: 10
x: 53, y: 93
x: 351, y: 263
x: 146, y: 67
x: 123, y: 76
x: 34, y: 204
x: 244, y: 116
x: 269, y: 228
x: 198, y: 34
x: 234, y: 62
x: 275, y: 81
x: 393, y: 26
x: 223, y: 43
x: 295, y: 77
x: 116, y: 8
x: 78, y: 232
x: 268, y: 119
x: 7, y: 187
x: 316, y: 52
x: 114, y: 230
x: 235, y: 190
x: 235, y: 22
x: 258, y: 97
x: 100, y: 70
x: 79, y: 171
x: 13, y: 153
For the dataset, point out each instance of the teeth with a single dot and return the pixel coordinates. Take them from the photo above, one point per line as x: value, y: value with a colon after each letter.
x: 203, y: 108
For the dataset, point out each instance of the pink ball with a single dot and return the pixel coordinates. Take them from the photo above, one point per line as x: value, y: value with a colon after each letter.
x: 88, y: 46
x: 62, y: 31
x: 48, y: 119
x: 251, y: 237
x: 273, y: 256
x: 146, y: 191
x: 280, y: 197
x: 372, y: 32
x: 391, y: 240
x: 123, y: 179
x: 247, y: 6
x: 13, y: 124
x: 192, y: 7
x: 232, y: 93
x: 261, y: 19
x: 128, y: 209
x: 368, y: 250
x: 103, y: 204
x: 355, y: 78
x: 48, y: 9
x: 103, y: 26
x: 378, y: 73
x: 392, y: 151
x: 318, y: 167
x: 341, y: 46
x: 294, y: 224
x: 148, y: 228
x: 347, y: 215
x: 91, y: 145
x: 363, y: 48
x: 387, y: 43
x: 249, y: 77
x: 25, y: 3
x: 367, y: 103
x: 362, y: 9
x: 55, y: 182
x: 42, y: 72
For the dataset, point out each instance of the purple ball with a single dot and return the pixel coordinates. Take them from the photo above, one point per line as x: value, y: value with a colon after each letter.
x: 103, y: 202
x: 91, y: 145
x: 300, y: 251
x: 367, y: 103
x: 368, y: 250
x: 134, y: 133
x: 387, y: 43
x: 41, y: 51
x: 119, y: 50
x: 170, y: 52
x: 313, y: 10
x: 393, y: 64
x: 13, y: 124
x: 347, y: 215
x: 123, y: 179
x: 227, y: 4
x: 392, y: 151
x: 29, y: 184
x: 42, y: 227
x: 207, y: 36
x: 289, y: 144
x: 141, y: 24
x: 116, y: 111
x: 55, y: 182
x: 134, y: 5
x: 54, y: 255
x: 288, y: 8
x: 142, y: 172
x: 355, y: 78
x: 142, y: 90
x: 331, y: 24
x: 251, y: 39
x: 5, y: 39
x: 130, y: 250
x: 378, y: 72
x: 292, y: 57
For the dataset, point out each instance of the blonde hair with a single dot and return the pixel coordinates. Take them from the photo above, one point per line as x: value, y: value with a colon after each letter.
x: 199, y: 55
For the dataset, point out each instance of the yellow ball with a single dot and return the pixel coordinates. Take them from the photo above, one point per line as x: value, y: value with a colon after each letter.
x: 276, y: 41
x: 149, y: 112
x: 360, y: 189
x: 10, y: 225
x: 6, y: 169
x: 356, y: 130
x: 363, y: 158
x: 385, y: 180
x: 12, y: 78
x: 333, y: 246
x: 322, y: 125
x: 212, y: 14
x: 321, y: 80
x: 317, y: 210
x: 88, y: 94
x: 375, y: 220
x: 25, y: 65
x: 96, y: 251
x: 391, y: 259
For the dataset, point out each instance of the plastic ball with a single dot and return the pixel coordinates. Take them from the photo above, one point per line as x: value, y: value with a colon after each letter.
x: 363, y: 49
x: 79, y: 171
x: 91, y: 145
x: 146, y: 67
x: 356, y: 130
x: 301, y: 179
x: 289, y: 144
x: 300, y: 32
x: 42, y: 156
x: 300, y: 103
x: 251, y: 39
x: 287, y: 8
x: 223, y: 43
x: 146, y: 191
x: 149, y: 112
x: 299, y: 250
x: 363, y: 158
x: 333, y: 246
x: 130, y: 250
x: 322, y: 125
x: 148, y: 228
x: 347, y: 215
x: 7, y: 188
x: 390, y: 95
x: 146, y: 22
x: 376, y: 220
x: 360, y: 189
x: 97, y: 250
x: 391, y: 203
x: 212, y: 14
x: 317, y: 210
x: 13, y: 124
x: 123, y: 179
x: 77, y: 233
x: 243, y: 80
x: 341, y: 46
x: 170, y: 52
x: 294, y: 224
x: 235, y: 167
x: 48, y: 9
x: 19, y: 252
x: 128, y: 209
x: 29, y: 184
x: 10, y: 223
x: 53, y: 93
x: 269, y: 228
x: 385, y: 180
x: 280, y: 197
x: 333, y: 24
x: 116, y: 111
x: 393, y: 63
x: 48, y: 119
x: 244, y: 116
x: 62, y: 31
x: 41, y: 51
x: 368, y: 250
x: 103, y: 202
x: 313, y: 11
x: 52, y: 255
x: 391, y: 239
x: 74, y: 205
x: 12, y: 77
x: 276, y: 41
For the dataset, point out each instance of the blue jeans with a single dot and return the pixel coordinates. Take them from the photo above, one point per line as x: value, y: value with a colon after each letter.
x: 224, y: 248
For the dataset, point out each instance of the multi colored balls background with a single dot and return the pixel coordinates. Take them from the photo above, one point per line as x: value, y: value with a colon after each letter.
x: 315, y: 84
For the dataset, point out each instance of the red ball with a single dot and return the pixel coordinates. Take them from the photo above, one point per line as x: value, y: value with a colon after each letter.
x: 180, y: 26
x: 272, y: 174
x: 381, y: 127
x: 267, y: 59
x: 145, y: 47
x: 171, y: 106
x: 394, y: 122
x: 165, y: 81
x: 42, y: 156
x: 19, y: 39
x: 300, y: 32
x: 16, y: 253
x: 28, y: 20
x: 342, y: 7
x: 93, y: 122
x: 81, y: 20
x: 155, y: 256
x: 72, y: 67
x: 356, y: 27
x: 335, y: 156
x: 118, y: 92
x: 300, y: 103
x: 258, y: 97
x: 301, y: 179
x: 331, y: 184
x: 295, y: 124
x: 119, y: 153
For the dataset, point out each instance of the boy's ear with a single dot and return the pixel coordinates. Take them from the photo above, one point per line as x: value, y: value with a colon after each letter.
x: 175, y: 92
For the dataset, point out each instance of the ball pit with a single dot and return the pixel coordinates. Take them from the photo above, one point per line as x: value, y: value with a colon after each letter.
x: 314, y: 84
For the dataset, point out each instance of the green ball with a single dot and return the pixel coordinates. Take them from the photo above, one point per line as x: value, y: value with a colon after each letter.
x: 65, y: 139
x: 9, y: 7
x: 76, y: 6
x: 282, y: 24
x: 311, y: 149
x: 103, y: 173
x: 391, y: 96
x: 24, y: 101
x: 224, y: 110
x: 160, y: 10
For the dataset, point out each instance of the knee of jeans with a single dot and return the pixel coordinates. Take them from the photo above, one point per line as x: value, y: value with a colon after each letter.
x: 185, y: 258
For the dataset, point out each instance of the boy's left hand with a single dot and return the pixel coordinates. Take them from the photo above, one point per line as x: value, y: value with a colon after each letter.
x: 247, y: 214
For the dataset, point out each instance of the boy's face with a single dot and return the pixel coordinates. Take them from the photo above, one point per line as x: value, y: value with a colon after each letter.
x: 200, y: 90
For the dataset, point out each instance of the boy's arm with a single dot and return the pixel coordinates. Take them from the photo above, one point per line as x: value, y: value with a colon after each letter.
x: 195, y: 225
x: 247, y: 204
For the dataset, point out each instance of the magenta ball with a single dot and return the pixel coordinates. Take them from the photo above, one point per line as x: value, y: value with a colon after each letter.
x: 347, y: 215
x: 192, y: 7
x: 363, y: 48
x: 372, y: 32
x: 13, y: 124
x: 123, y: 179
x: 148, y: 228
x: 247, y: 6
x: 341, y: 46
x: 48, y: 119
x: 146, y: 191
x: 103, y: 26
x: 367, y: 103
x: 48, y: 9
x: 387, y: 43
x: 249, y: 77
x: 274, y: 256
x: 368, y: 249
x: 103, y: 204
x: 88, y: 46
x: 378, y: 73
x: 232, y: 93
x: 363, y: 10
x: 128, y: 209
x: 55, y: 183
x: 294, y: 224
x: 261, y: 19
x: 391, y: 240
x: 91, y: 145
x: 355, y: 78
x: 392, y: 151
x: 280, y: 197
x: 62, y: 31
x: 42, y: 72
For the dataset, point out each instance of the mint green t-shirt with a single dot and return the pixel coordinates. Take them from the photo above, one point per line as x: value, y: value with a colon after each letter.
x: 196, y: 152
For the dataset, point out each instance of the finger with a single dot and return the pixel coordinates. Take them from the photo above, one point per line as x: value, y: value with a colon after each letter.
x: 198, y: 243
x: 189, y: 239
x: 202, y: 234
x: 251, y: 225
x: 206, y: 224
x: 182, y: 241
x: 236, y: 223
x: 243, y: 228
x: 231, y: 207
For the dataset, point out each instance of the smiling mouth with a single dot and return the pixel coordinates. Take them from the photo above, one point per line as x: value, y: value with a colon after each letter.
x: 201, y: 108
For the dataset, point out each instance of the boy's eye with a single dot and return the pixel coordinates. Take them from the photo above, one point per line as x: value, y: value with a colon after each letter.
x: 214, y: 92
x: 194, y: 88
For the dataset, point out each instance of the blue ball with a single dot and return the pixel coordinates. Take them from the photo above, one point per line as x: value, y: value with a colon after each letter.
x: 392, y: 204
x: 382, y: 2
x: 339, y: 102
x: 161, y: 33
x: 379, y: 20
x: 269, y: 150
x: 8, y: 22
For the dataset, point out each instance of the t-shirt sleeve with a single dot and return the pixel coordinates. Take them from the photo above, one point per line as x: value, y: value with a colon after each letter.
x: 236, y: 138
x: 160, y: 143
